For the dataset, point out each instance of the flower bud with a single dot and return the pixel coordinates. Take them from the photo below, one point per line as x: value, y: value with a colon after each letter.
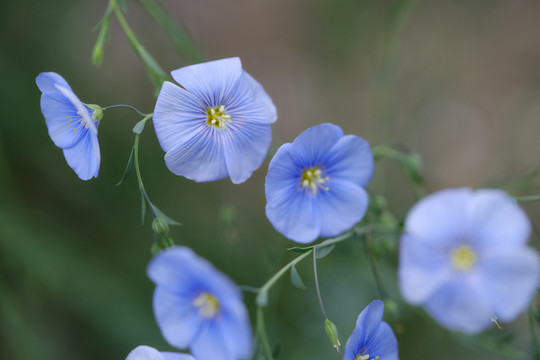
x: 331, y: 332
x: 160, y: 227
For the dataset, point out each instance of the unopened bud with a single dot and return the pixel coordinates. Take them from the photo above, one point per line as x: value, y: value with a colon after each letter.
x: 331, y: 332
x: 160, y: 227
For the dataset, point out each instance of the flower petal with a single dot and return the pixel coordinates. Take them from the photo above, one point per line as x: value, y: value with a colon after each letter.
x: 55, y: 109
x: 178, y: 116
x: 283, y: 176
x: 176, y: 317
x: 440, y: 217
x: 176, y: 356
x: 245, y: 145
x: 341, y: 206
x: 383, y: 343
x: 46, y: 82
x: 351, y: 159
x: 84, y: 157
x: 144, y: 352
x: 199, y: 157
x: 458, y: 305
x: 298, y: 219
x: 212, y: 81
x: 422, y: 268
x: 497, y: 221
x: 510, y: 281
x: 311, y: 147
x: 370, y: 318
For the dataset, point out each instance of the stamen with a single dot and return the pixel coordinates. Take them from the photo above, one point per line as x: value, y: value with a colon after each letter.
x: 207, y: 304
x: 217, y: 117
x: 462, y: 258
x: 313, y: 180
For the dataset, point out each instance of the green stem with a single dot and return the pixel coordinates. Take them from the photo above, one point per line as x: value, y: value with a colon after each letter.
x: 534, y: 338
x: 373, y: 266
x: 138, y: 170
x: 262, y: 333
x: 283, y: 270
x: 317, y: 281
x: 127, y: 107
x: 522, y: 199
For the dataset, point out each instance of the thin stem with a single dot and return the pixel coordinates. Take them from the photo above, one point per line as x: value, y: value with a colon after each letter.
x: 534, y: 338
x: 138, y: 173
x: 317, y: 281
x: 262, y: 333
x: 522, y: 199
x: 374, y: 271
x: 126, y: 106
x: 283, y: 270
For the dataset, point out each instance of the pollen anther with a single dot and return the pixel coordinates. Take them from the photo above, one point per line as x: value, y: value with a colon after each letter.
x: 313, y: 180
x: 217, y: 117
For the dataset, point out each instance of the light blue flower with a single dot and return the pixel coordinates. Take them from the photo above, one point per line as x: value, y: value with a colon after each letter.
x: 217, y: 124
x: 464, y: 258
x: 149, y: 353
x: 372, y: 339
x: 314, y: 186
x: 198, y: 307
x: 72, y: 124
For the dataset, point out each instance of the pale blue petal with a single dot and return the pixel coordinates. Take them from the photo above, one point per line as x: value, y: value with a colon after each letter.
x: 178, y: 116
x: 176, y: 356
x: 177, y: 270
x: 440, y: 217
x: 248, y: 102
x: 46, y: 82
x: 211, y: 343
x: 370, y: 318
x: 245, y: 146
x: 459, y: 305
x: 312, y: 146
x: 283, y: 178
x: 84, y: 157
x: 383, y: 343
x: 177, y: 317
x: 200, y: 158
x: 510, y: 281
x: 298, y: 219
x: 55, y: 109
x: 341, y: 206
x: 354, y: 344
x: 351, y: 159
x: 423, y: 268
x: 497, y: 222
x: 212, y: 81
x: 144, y: 352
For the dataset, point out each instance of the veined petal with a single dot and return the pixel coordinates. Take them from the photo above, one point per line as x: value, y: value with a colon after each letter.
x: 177, y: 317
x: 144, y: 352
x: 384, y: 343
x: 460, y: 306
x: 56, y: 110
x: 211, y: 81
x: 176, y: 356
x: 497, y: 221
x: 200, y: 158
x: 283, y: 177
x: 46, y: 82
x: 245, y: 145
x: 351, y: 159
x: 178, y: 116
x: 341, y: 206
x: 510, y: 281
x: 249, y: 102
x: 84, y: 157
x: 211, y: 343
x: 370, y: 318
x: 422, y: 268
x: 313, y: 145
x: 298, y: 219
x: 440, y: 217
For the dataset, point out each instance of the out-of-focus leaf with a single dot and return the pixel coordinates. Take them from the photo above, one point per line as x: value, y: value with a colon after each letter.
x: 262, y: 298
x: 322, y: 252
x: 104, y: 25
x: 139, y: 127
x: 161, y: 215
x: 129, y: 167
x: 300, y: 250
x: 296, y: 280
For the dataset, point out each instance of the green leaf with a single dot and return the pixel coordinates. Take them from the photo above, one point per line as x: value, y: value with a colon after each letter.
x: 174, y: 30
x: 129, y: 167
x: 262, y: 298
x: 159, y: 214
x: 143, y: 207
x: 139, y: 127
x: 322, y: 252
x: 296, y: 279
x: 300, y: 250
x: 104, y: 25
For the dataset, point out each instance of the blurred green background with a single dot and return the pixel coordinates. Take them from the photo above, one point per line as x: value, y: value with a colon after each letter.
x: 456, y: 81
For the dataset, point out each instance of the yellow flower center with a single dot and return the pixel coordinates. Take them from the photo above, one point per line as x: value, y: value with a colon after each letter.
x: 312, y: 179
x: 217, y: 117
x: 463, y: 258
x: 365, y: 357
x: 82, y: 122
x: 207, y: 304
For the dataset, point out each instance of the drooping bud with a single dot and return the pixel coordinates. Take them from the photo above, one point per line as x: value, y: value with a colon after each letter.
x: 161, y: 227
x: 331, y: 332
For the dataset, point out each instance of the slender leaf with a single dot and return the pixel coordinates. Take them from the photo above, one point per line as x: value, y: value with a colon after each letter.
x: 143, y: 207
x: 262, y: 299
x: 296, y: 280
x: 158, y: 213
x: 104, y: 25
x: 322, y: 252
x: 139, y: 127
x: 300, y: 250
x: 129, y: 167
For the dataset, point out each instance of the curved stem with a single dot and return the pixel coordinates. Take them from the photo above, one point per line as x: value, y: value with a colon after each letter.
x: 283, y: 270
x: 126, y: 106
x: 138, y: 170
x: 521, y: 199
x: 374, y: 271
x: 317, y: 281
x: 262, y: 333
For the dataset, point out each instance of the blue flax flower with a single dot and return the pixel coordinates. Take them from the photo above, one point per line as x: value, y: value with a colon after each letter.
x: 314, y: 185
x: 72, y: 124
x: 149, y: 353
x: 217, y: 124
x: 198, y: 307
x: 464, y: 258
x: 372, y: 339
